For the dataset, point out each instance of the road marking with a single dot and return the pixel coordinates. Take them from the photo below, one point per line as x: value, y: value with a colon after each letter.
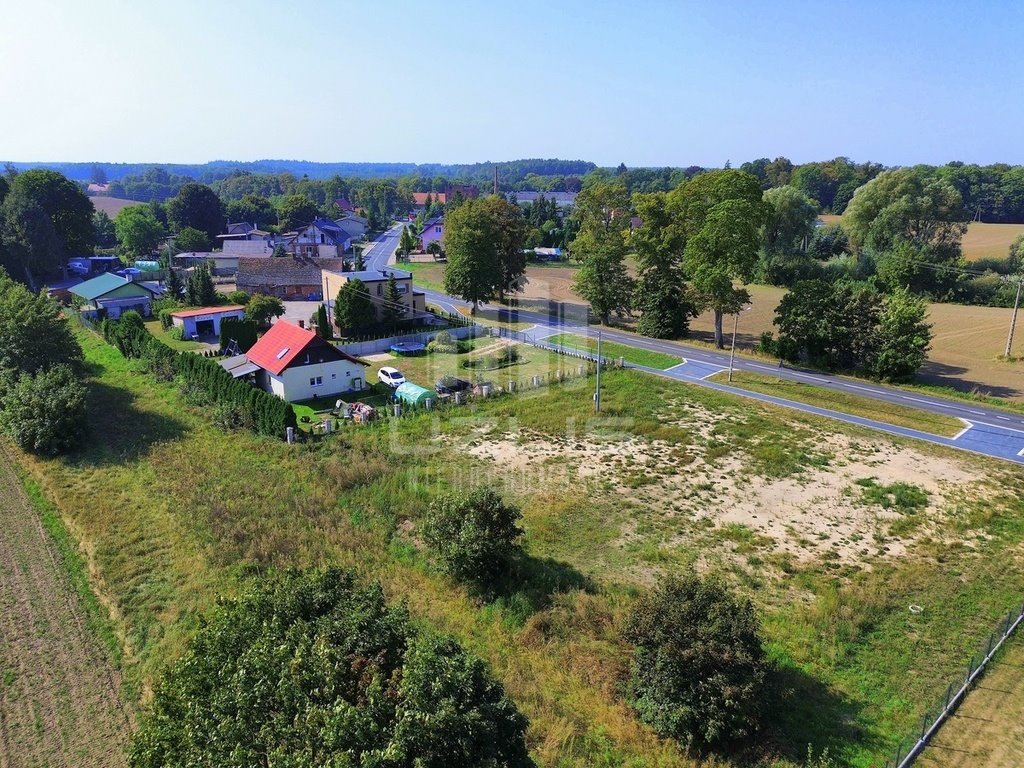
x: 685, y: 362
x: 763, y: 367
x: 963, y: 431
x: 1020, y: 452
x: 1003, y: 418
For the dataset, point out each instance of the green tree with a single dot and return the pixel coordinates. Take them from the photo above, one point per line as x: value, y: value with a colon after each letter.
x: 913, y: 220
x: 103, y: 226
x: 360, y: 262
x: 353, y: 308
x: 603, y: 279
x: 510, y: 231
x: 723, y: 250
x: 238, y: 297
x: 474, y: 536
x: 196, y: 206
x: 473, y: 272
x: 34, y: 335
x: 45, y: 413
x: 698, y: 671
x: 406, y: 242
x: 903, y: 337
x: 261, y: 309
x: 30, y: 244
x: 393, y: 309
x: 323, y: 325
x: 315, y: 669
x: 790, y: 219
x: 662, y: 297
x: 199, y: 289
x: 174, y: 287
x: 253, y: 209
x: 296, y: 211
x: 138, y: 230
x: 63, y: 202
x: 191, y: 240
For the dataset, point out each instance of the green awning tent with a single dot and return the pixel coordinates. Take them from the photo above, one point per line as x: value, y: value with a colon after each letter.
x: 414, y: 394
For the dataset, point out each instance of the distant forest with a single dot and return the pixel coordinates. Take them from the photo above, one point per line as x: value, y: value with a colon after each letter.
x: 219, y: 169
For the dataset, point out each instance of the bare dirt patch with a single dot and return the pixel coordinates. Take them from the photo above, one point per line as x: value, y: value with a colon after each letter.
x: 988, y: 729
x: 851, y: 500
x: 59, y: 702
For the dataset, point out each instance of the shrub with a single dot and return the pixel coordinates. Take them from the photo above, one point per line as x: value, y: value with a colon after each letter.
x: 45, y: 413
x: 475, y: 536
x: 238, y: 297
x: 443, y: 343
x: 314, y: 669
x: 698, y: 671
x: 176, y: 332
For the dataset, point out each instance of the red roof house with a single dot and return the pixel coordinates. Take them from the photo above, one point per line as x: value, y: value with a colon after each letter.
x: 296, y: 364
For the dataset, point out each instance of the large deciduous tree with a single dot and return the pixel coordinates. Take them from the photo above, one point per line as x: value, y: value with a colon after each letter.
x: 510, y: 230
x: 196, y: 206
x: 254, y: 209
x: 662, y: 296
x: 471, y: 238
x: 296, y: 211
x: 912, y: 220
x: 315, y: 669
x: 724, y: 250
x: 138, y: 230
x: 602, y: 209
x: 789, y: 222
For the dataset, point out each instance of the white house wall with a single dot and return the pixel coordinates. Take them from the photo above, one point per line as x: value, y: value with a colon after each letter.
x: 338, y: 376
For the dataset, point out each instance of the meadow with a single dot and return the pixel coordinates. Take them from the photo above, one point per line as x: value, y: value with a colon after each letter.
x: 817, y: 523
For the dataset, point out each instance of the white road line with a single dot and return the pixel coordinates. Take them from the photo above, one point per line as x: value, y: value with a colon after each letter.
x: 963, y: 431
x: 680, y: 365
x: 1003, y: 418
x: 763, y: 367
x: 1020, y: 452
x: 976, y: 413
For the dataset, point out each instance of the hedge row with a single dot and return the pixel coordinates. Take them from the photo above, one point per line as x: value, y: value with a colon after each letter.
x: 202, y: 377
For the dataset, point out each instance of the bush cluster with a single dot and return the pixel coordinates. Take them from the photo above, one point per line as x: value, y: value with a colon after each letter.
x: 509, y: 356
x: 204, y: 382
x: 317, y: 670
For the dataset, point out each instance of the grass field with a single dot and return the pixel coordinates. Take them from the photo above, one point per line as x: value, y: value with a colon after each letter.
x: 807, y: 518
x: 855, y: 405
x: 59, y: 697
x: 987, y: 731
x: 610, y: 349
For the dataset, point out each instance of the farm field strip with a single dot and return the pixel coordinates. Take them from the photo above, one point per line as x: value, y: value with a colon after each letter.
x: 59, y: 702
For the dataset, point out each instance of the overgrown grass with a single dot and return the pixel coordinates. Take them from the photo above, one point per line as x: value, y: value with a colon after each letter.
x: 174, y: 512
x: 182, y: 345
x: 855, y: 405
x: 611, y: 349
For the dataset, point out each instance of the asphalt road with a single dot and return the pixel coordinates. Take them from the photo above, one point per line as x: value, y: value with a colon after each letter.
x: 987, y: 431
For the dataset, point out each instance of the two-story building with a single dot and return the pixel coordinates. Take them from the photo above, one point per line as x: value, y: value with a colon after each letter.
x: 376, y: 282
x: 322, y: 239
x: 286, y: 277
x: 433, y: 232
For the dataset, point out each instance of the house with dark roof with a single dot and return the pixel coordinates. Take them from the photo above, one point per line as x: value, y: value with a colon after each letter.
x: 321, y: 239
x: 355, y: 226
x: 296, y: 364
x: 114, y: 294
x: 286, y: 277
x: 344, y: 205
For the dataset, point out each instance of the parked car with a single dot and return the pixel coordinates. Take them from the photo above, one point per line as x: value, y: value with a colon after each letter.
x: 449, y: 385
x: 391, y: 376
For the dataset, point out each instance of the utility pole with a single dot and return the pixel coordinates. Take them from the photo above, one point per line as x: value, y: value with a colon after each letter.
x: 597, y: 393
x: 732, y: 352
x: 1013, y: 318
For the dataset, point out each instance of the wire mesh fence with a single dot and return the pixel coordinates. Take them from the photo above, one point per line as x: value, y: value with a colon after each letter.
x: 909, y: 750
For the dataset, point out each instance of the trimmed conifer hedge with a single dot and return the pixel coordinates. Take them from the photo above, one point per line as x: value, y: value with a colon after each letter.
x: 254, y: 409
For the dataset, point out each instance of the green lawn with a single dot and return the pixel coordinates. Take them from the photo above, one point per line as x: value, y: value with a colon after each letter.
x: 888, y: 413
x: 611, y: 349
x: 171, y: 512
x: 179, y: 344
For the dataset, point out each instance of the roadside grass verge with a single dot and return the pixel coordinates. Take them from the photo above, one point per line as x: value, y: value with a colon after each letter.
x: 174, y: 512
x: 611, y: 349
x: 429, y: 275
x: 855, y: 405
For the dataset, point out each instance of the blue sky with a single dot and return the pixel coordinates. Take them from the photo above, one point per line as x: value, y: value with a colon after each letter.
x: 645, y: 83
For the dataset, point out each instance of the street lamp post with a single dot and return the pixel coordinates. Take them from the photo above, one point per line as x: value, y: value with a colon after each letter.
x: 732, y: 352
